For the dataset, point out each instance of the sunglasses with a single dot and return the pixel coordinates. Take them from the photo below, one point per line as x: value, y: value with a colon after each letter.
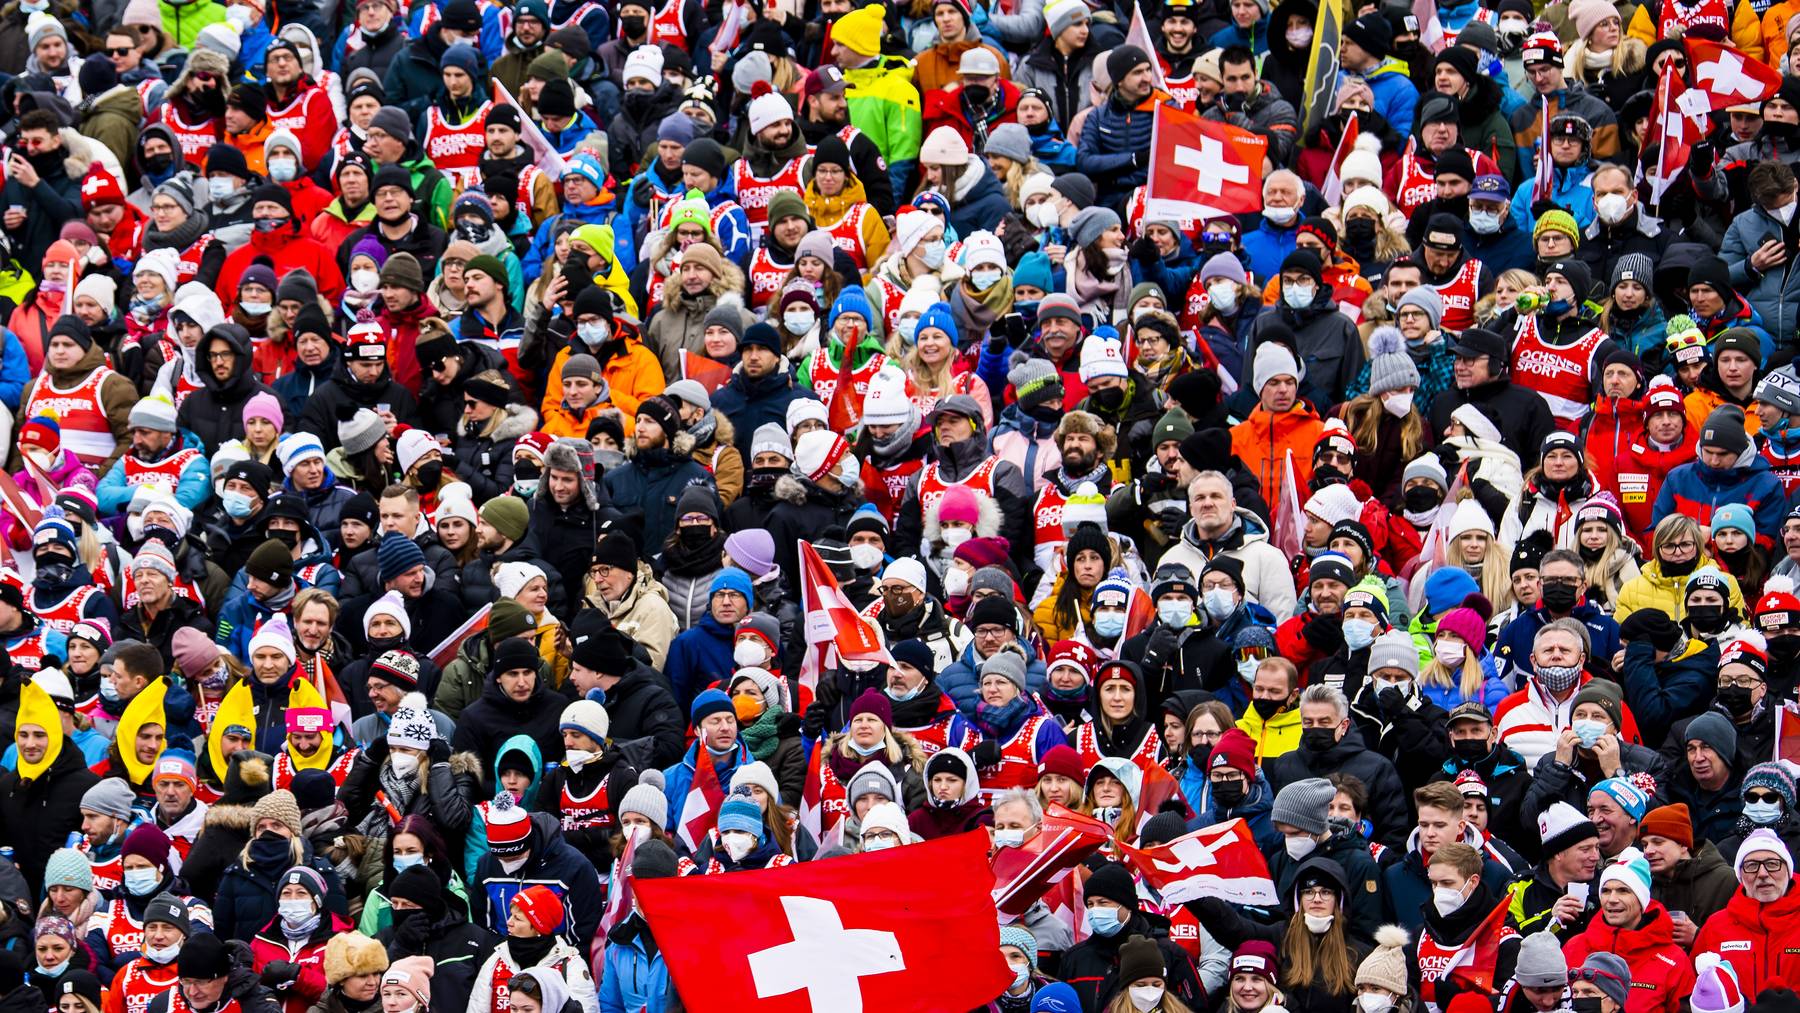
x: 1761, y: 796
x: 124, y: 51
x: 204, y: 77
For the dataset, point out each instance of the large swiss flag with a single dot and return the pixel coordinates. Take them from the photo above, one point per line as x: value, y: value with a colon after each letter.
x: 1200, y: 168
x: 907, y: 930
x: 1728, y: 77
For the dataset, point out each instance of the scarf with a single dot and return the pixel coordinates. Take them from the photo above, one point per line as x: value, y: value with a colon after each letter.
x: 178, y: 238
x: 1161, y: 371
x: 530, y: 951
x: 762, y: 735
x: 399, y: 791
x: 1002, y: 721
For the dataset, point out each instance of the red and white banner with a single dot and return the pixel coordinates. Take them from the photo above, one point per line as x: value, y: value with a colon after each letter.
x: 1334, y: 182
x: 704, y: 371
x: 834, y: 629
x: 1544, y: 178
x: 1472, y: 965
x: 1726, y: 76
x: 1031, y: 870
x: 1787, y: 732
x: 1159, y: 788
x: 700, y: 809
x: 444, y: 653
x: 1217, y: 861
x: 1202, y: 169
x: 548, y: 158
x: 906, y: 930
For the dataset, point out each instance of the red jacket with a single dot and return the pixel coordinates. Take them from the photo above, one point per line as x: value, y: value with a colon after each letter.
x: 402, y: 331
x: 1661, y: 975
x: 309, y: 198
x: 1761, y: 941
x: 1611, y: 426
x: 286, y: 249
x: 943, y: 107
x: 270, y: 946
x: 1638, y: 476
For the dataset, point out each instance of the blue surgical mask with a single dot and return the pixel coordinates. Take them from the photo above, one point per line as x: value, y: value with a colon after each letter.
x: 1220, y: 603
x: 868, y: 750
x: 54, y: 970
x: 1589, y: 732
x: 1485, y: 222
x: 799, y: 321
x: 221, y: 187
x: 984, y: 279
x: 405, y: 862
x: 932, y: 253
x: 908, y: 327
x: 1358, y: 633
x: 139, y: 882
x: 236, y: 503
x: 1103, y: 921
x: 1109, y: 624
x: 1762, y: 813
x: 1298, y: 296
x: 1557, y: 307
x: 1175, y: 613
x: 108, y: 691
x: 592, y: 334
x: 283, y: 170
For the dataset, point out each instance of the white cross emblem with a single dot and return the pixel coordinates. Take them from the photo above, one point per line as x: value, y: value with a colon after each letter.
x: 1193, y: 853
x: 1728, y: 77
x: 93, y: 184
x: 825, y: 959
x: 1209, y: 161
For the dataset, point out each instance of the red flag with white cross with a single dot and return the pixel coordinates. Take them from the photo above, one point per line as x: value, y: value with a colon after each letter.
x: 700, y: 808
x: 906, y: 930
x: 1200, y: 168
x: 1217, y: 861
x: 1727, y: 76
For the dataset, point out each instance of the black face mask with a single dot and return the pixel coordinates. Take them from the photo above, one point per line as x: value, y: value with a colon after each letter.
x: 1585, y: 1005
x: 1558, y: 598
x: 1421, y: 498
x: 693, y: 536
x: 1786, y: 647
x: 285, y: 536
x: 633, y: 25
x: 1736, y: 700
x: 1266, y: 709
x: 977, y: 94
x: 527, y: 470
x: 638, y: 102
x: 1325, y: 474
x: 270, y: 848
x: 1108, y: 399
x: 1592, y: 554
x: 1360, y: 231
x: 1228, y: 793
x: 1707, y: 618
x: 763, y: 479
x: 1470, y: 750
x: 1318, y: 740
x: 430, y: 473
x: 157, y: 165
x: 380, y: 645
x: 1680, y: 569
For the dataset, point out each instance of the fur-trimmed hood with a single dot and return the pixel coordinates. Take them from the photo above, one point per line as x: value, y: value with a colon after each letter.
x: 791, y: 488
x: 466, y: 765
x: 726, y: 289
x: 515, y: 421
x: 987, y: 523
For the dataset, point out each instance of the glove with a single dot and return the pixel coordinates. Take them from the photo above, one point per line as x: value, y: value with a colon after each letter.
x: 1144, y: 251
x: 1157, y: 650
x: 280, y: 975
x: 437, y: 752
x: 1325, y: 634
x: 1141, y: 160
x: 1171, y: 521
x: 986, y: 753
x: 1653, y: 626
x: 1392, y: 701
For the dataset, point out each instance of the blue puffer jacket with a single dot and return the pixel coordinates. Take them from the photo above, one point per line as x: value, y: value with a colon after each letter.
x: 1661, y: 693
x: 1172, y: 273
x: 15, y: 370
x: 1053, y: 149
x: 1513, y: 646
x: 698, y: 657
x: 1697, y: 490
x: 1109, y: 148
x: 1395, y: 95
x: 1572, y: 191
x: 961, y: 682
x: 633, y: 977
x: 679, y: 777
x: 982, y: 205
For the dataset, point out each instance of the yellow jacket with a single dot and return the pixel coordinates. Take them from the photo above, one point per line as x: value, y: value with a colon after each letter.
x: 1280, y: 734
x: 1651, y: 590
x: 1045, y: 615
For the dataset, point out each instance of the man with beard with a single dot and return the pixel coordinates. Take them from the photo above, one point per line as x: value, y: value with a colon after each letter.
x: 824, y: 111
x: 905, y: 611
x: 1412, y: 178
x: 530, y: 27
x: 1085, y: 444
x: 647, y: 99
x: 533, y: 190
x: 156, y: 455
x: 396, y: 227
x: 658, y: 470
x: 1452, y: 177
x: 1178, y: 49
x: 39, y: 194
x: 772, y: 156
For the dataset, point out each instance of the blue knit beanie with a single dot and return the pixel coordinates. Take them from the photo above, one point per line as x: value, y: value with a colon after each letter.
x: 852, y: 300
x: 730, y: 579
x: 395, y: 554
x: 741, y: 813
x: 1447, y: 587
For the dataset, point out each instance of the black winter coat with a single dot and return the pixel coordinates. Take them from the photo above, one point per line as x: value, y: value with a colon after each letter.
x: 452, y: 788
x: 620, y: 775
x: 457, y: 948
x: 1177, y: 660
x: 362, y: 577
x: 485, y: 725
x: 805, y: 510
x: 340, y: 398
x: 1522, y: 417
x: 215, y: 412
x: 247, y: 893
x: 485, y: 462
x: 1413, y: 738
x: 244, y: 984
x: 1092, y: 965
x: 1232, y: 929
x: 1389, y: 804
x: 642, y: 708
x: 37, y: 816
x: 567, y: 536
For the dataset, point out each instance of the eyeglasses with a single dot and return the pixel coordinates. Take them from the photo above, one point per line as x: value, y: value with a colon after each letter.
x: 991, y: 630
x: 1687, y: 546
x: 220, y: 356
x: 1322, y: 893
x: 1739, y: 682
x: 1761, y: 796
x: 1756, y: 865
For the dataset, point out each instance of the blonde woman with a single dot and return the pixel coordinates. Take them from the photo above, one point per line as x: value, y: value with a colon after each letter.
x: 1317, y: 959
x: 1460, y: 669
x: 1507, y: 288
x: 1111, y: 796
x: 1474, y: 548
x: 931, y: 360
x: 1677, y: 549
x: 1610, y: 560
x: 1009, y: 156
x: 1252, y: 985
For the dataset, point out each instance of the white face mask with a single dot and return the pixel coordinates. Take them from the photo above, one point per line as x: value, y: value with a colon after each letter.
x: 1612, y: 207
x: 1146, y: 997
x: 865, y: 556
x: 1446, y: 900
x: 956, y: 536
x: 880, y: 844
x: 1009, y: 838
x: 365, y: 279
x: 283, y: 170
x: 1450, y: 655
x: 956, y: 582
x: 1247, y: 669
x: 799, y: 321
x: 220, y: 187
x: 1373, y: 1002
x: 1485, y: 222
x: 1785, y: 213
x: 1219, y: 603
x: 749, y: 654
x: 1298, y: 296
x: 1280, y: 216
x: 162, y: 954
x: 737, y: 844
x: 1398, y: 404
x: 1299, y: 38
x: 984, y: 278
x: 404, y: 764
x: 512, y: 865
x: 1299, y: 846
x: 1021, y: 974
x: 1224, y: 295
x: 1043, y: 215
x: 931, y: 254
x: 637, y: 832
x: 1318, y: 925
x: 294, y: 911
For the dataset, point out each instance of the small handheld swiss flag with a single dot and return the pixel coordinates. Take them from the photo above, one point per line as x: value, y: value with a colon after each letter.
x: 908, y: 930
x: 1728, y: 77
x: 1201, y: 168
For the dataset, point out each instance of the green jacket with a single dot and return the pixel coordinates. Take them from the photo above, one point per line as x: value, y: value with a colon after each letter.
x: 865, y: 350
x: 183, y: 21
x: 885, y: 105
x: 113, y: 121
x: 436, y: 196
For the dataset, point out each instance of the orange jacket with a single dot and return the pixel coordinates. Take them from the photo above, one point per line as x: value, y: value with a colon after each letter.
x: 631, y: 378
x: 1263, y: 440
